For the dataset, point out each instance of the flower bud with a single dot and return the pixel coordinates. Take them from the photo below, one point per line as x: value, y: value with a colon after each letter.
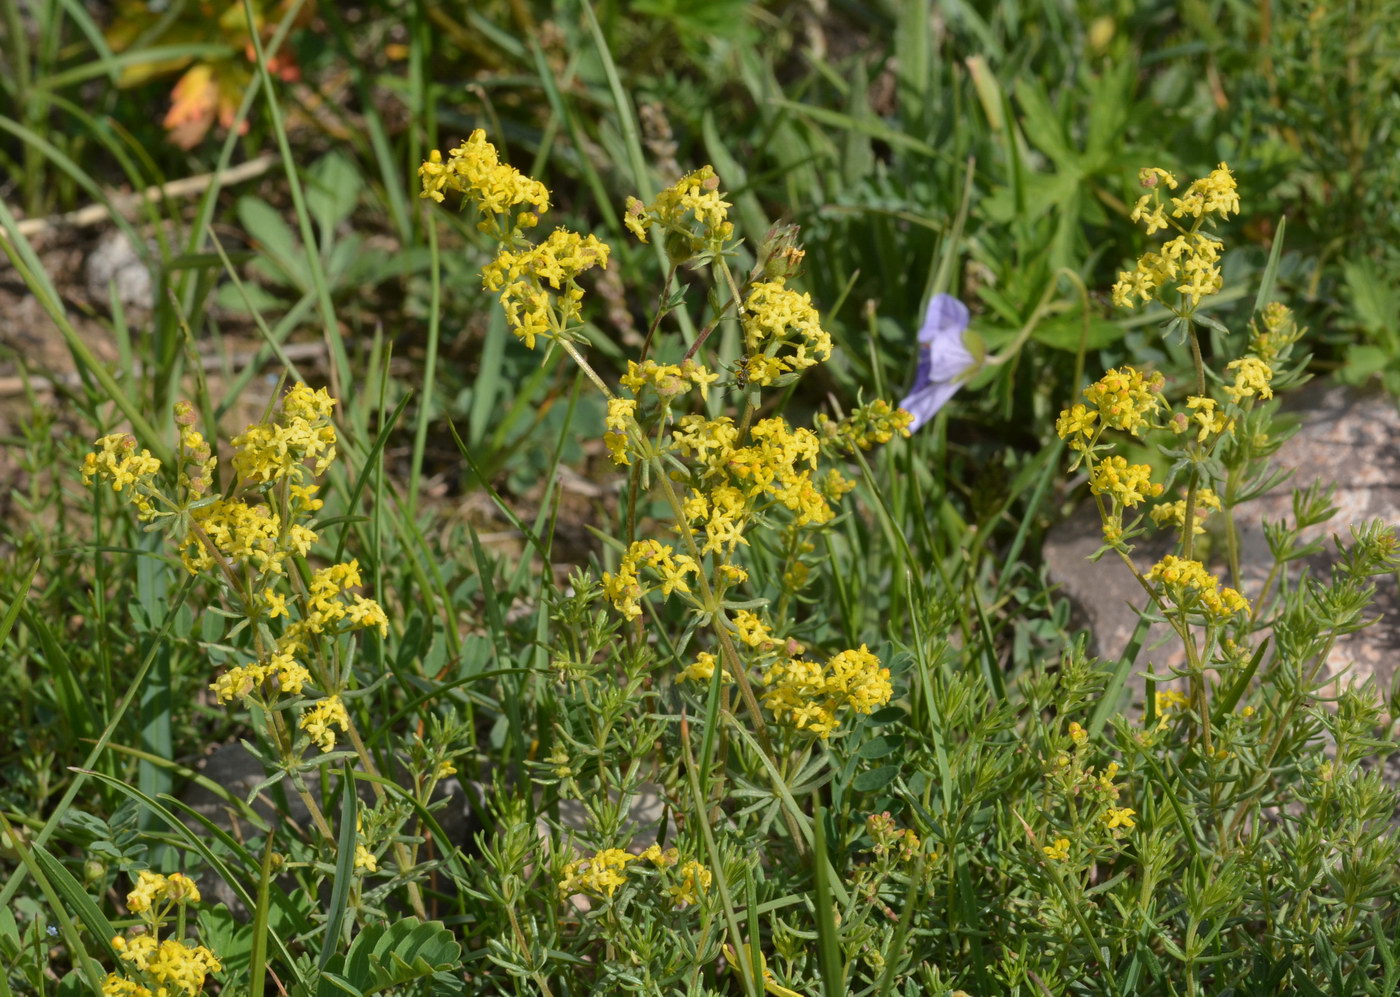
x: 780, y: 254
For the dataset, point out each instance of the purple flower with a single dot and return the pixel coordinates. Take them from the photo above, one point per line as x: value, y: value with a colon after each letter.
x: 942, y: 359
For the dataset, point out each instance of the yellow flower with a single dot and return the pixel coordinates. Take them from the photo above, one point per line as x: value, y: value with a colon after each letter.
x: 599, y: 875
x: 1125, y: 399
x: 1057, y: 852
x: 807, y: 696
x: 525, y: 279
x: 695, y: 880
x: 620, y: 410
x: 275, y: 603
x: 474, y: 169
x: 1128, y: 484
x: 702, y: 669
x: 149, y: 888
x: 692, y: 211
x: 1170, y: 699
x: 115, y: 986
x: 624, y: 589
x: 1153, y: 218
x: 1115, y: 817
x: 1207, y: 417
x: 752, y: 630
x: 775, y: 317
x: 733, y: 574
x: 364, y: 859
x: 130, y: 474
x: 1174, y: 513
x: 1076, y: 425
x: 318, y: 720
x: 181, y: 889
x: 1191, y: 586
x: 1252, y: 377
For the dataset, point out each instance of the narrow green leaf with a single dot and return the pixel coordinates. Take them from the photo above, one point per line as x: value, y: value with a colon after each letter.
x: 828, y: 954
x: 344, y: 866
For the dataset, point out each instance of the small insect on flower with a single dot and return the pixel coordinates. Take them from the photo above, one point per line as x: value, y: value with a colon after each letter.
x: 943, y: 359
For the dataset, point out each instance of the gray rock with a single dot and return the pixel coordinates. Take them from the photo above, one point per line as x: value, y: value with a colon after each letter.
x: 114, y: 260
x: 1349, y: 438
x: 238, y: 771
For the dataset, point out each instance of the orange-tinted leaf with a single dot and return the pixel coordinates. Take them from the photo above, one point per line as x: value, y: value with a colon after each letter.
x: 192, y: 105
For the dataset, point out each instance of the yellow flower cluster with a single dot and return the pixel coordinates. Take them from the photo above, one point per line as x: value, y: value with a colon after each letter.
x: 866, y: 426
x: 170, y: 966
x: 536, y: 283
x: 327, y: 609
x: 601, y: 874
x: 521, y: 278
x: 1191, y: 586
x: 166, y: 967
x: 330, y: 609
x: 774, y: 316
x: 318, y: 720
x: 242, y: 534
x: 624, y: 589
x: 1174, y: 513
x: 474, y: 169
x: 702, y: 669
x: 130, y: 474
x: 291, y: 676
x: 1214, y: 194
x: 1076, y: 426
x: 151, y: 888
x: 1252, y: 377
x: 300, y: 431
x: 234, y: 533
x: 692, y: 212
x: 807, y: 696
x: 1192, y: 257
x: 620, y: 410
x: 735, y: 482
x: 1125, y: 399
x: 694, y: 882
x: 1127, y: 484
x: 668, y: 380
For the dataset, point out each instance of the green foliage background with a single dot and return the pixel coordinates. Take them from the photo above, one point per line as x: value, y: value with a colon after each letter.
x: 982, y: 149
